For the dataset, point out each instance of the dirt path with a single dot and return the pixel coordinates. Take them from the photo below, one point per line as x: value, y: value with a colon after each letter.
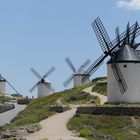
x: 103, y: 98
x: 54, y: 128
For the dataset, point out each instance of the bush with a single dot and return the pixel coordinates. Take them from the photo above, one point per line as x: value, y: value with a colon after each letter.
x: 100, y: 88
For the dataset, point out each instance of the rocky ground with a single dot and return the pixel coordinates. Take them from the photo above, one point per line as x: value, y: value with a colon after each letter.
x: 18, y: 133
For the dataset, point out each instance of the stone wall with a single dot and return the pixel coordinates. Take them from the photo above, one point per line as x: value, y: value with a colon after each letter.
x: 24, y: 101
x: 6, y: 107
x: 118, y: 111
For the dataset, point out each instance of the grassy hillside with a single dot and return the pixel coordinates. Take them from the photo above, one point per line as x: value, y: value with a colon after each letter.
x: 100, y: 87
x: 38, y: 109
x: 99, y: 127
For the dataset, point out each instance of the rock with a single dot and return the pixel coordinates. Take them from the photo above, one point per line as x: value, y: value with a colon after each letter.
x: 21, y: 131
x: 106, y: 137
x: 93, y: 134
x: 8, y: 135
x: 1, y: 133
x: 134, y: 133
x: 31, y: 130
x: 101, y: 136
x: 92, y: 101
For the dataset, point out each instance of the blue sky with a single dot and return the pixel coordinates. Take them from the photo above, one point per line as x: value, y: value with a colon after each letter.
x: 41, y: 33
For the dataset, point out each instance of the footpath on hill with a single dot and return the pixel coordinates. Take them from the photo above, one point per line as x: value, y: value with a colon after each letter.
x: 54, y: 127
x: 103, y: 98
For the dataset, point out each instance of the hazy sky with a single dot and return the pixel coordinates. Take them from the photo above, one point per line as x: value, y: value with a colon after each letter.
x: 41, y: 33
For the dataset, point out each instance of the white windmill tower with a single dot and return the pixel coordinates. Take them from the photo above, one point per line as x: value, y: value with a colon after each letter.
x: 44, y: 87
x: 2, y: 85
x: 123, y: 69
x: 77, y: 75
x: 3, y: 82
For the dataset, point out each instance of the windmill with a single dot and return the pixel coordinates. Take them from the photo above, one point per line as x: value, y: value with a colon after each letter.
x: 3, y: 82
x: 123, y: 68
x: 44, y: 87
x: 77, y: 75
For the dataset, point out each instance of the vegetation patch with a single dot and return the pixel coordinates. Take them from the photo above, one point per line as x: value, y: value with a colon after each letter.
x: 17, y: 95
x: 99, y: 79
x: 24, y: 101
x: 100, y: 127
x: 79, y: 97
x: 4, y: 99
x: 101, y: 88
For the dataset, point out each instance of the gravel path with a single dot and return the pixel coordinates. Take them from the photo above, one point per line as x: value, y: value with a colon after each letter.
x: 103, y: 98
x: 54, y: 128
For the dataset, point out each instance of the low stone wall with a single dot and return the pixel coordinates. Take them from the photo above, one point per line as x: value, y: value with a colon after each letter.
x: 117, y: 111
x: 24, y: 101
x: 6, y: 107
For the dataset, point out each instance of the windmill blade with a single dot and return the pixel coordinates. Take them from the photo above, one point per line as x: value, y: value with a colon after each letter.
x: 119, y: 78
x: 118, y: 75
x: 95, y: 64
x: 114, y: 45
x: 103, y: 38
x: 68, y: 81
x: 127, y: 33
x: 93, y: 67
x: 134, y: 35
x: 33, y: 87
x: 84, y: 65
x: 12, y: 87
x: 10, y: 84
x: 122, y: 36
x: 136, y: 46
x: 36, y: 73
x: 127, y: 36
x: 102, y: 35
x: 118, y: 37
x: 68, y: 61
x: 52, y: 69
x: 93, y: 71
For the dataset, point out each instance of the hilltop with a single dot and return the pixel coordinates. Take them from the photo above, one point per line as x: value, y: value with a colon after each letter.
x: 38, y: 109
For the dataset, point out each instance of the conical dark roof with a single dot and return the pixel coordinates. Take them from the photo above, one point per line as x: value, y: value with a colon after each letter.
x: 127, y: 54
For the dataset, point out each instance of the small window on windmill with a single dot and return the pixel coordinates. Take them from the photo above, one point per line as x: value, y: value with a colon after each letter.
x: 125, y: 66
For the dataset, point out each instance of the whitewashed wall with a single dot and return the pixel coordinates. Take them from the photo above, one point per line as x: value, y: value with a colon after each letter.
x: 132, y: 77
x: 44, y: 90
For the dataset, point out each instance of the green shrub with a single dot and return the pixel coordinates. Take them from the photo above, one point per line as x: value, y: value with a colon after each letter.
x: 100, y: 88
x: 100, y: 126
